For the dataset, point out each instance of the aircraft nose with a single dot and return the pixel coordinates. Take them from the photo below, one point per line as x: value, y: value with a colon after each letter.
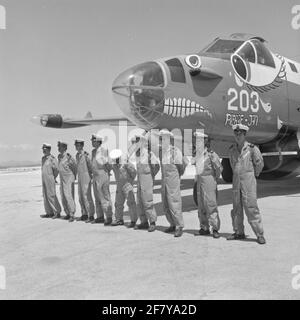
x: 140, y: 95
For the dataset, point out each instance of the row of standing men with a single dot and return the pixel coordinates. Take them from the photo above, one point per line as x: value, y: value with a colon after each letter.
x: 94, y: 173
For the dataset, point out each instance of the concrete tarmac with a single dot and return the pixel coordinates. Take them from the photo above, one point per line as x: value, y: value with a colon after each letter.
x: 55, y: 259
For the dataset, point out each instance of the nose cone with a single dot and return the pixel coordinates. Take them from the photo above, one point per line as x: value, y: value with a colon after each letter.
x: 41, y: 120
x: 140, y: 95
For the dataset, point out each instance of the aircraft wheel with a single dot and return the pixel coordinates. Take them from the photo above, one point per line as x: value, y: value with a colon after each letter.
x: 227, y: 171
x: 195, y: 193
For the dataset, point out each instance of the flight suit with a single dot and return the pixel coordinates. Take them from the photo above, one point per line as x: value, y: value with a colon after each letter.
x: 208, y: 169
x: 245, y: 166
x: 101, y: 177
x: 172, y: 168
x: 147, y: 168
x: 49, y: 174
x: 67, y: 173
x: 84, y: 170
x: 125, y: 175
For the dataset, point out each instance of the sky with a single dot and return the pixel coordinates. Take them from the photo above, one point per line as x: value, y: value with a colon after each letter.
x: 61, y: 56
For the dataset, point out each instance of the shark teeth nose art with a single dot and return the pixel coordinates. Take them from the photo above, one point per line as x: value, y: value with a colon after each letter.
x: 182, y: 107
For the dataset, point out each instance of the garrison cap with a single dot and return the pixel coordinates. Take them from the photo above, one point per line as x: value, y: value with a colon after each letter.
x: 62, y: 143
x: 46, y: 145
x: 80, y: 141
x: 96, y: 137
x: 240, y: 126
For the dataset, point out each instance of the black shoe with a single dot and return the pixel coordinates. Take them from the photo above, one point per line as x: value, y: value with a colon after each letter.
x: 98, y: 220
x: 89, y: 219
x: 45, y: 216
x: 117, y: 223
x: 203, y: 232
x: 72, y: 219
x: 261, y: 240
x: 178, y: 232
x: 152, y: 227
x: 67, y: 217
x: 142, y: 226
x: 108, y: 222
x: 236, y: 236
x: 83, y: 217
x: 216, y: 234
x: 132, y: 224
x: 56, y: 216
x: 170, y: 229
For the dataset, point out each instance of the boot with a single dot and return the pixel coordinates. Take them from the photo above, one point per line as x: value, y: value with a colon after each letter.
x: 178, y: 232
x: 84, y: 217
x: 132, y: 224
x: 56, y: 216
x: 89, y: 219
x: 170, y: 229
x: 236, y: 236
x: 261, y: 240
x: 117, y: 223
x: 152, y: 227
x: 108, y: 222
x: 141, y: 226
x: 203, y: 232
x: 216, y: 234
x: 67, y: 217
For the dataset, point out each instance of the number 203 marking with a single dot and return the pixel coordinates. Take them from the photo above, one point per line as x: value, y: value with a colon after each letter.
x: 243, y: 100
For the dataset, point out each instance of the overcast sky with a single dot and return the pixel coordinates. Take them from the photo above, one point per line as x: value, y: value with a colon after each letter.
x: 61, y: 56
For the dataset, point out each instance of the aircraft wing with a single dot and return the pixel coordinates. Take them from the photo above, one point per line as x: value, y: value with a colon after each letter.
x: 59, y: 122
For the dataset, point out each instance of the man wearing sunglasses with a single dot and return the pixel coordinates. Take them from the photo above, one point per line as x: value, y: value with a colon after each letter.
x: 246, y: 163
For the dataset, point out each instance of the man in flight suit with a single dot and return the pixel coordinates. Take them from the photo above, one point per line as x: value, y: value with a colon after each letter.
x: 84, y: 170
x: 246, y: 163
x: 173, y: 165
x: 67, y: 173
x: 125, y: 174
x: 101, y: 174
x: 49, y: 174
x: 208, y: 170
x: 147, y: 168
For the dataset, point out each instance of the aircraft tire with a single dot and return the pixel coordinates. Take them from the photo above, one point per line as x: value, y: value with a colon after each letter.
x: 227, y: 171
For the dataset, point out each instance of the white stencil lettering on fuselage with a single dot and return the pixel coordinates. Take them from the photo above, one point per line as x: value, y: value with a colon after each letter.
x: 243, y: 101
x: 250, y: 120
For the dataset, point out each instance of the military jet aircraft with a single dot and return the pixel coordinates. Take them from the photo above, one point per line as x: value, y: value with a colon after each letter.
x: 235, y: 79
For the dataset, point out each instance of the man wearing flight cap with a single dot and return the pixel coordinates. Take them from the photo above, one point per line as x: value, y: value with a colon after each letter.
x: 246, y: 163
x: 125, y: 174
x: 84, y: 170
x: 67, y: 173
x: 147, y: 168
x: 49, y: 174
x: 208, y: 170
x: 173, y: 165
x: 101, y: 172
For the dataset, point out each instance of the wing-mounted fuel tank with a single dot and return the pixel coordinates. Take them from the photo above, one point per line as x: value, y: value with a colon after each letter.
x: 281, y: 155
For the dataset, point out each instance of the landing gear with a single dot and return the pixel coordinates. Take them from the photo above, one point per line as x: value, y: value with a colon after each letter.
x: 227, y: 171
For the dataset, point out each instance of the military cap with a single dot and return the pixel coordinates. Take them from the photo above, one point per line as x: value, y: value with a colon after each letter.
x: 200, y: 134
x: 240, y: 126
x: 165, y: 132
x: 46, y: 145
x: 62, y: 143
x: 115, y: 154
x: 96, y: 137
x: 80, y: 141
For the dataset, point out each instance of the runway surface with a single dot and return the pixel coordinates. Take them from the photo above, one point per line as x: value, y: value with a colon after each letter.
x: 55, y: 259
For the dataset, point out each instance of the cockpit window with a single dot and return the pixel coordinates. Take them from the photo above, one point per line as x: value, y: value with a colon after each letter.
x: 247, y: 53
x: 176, y: 70
x: 224, y: 46
x: 264, y: 56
